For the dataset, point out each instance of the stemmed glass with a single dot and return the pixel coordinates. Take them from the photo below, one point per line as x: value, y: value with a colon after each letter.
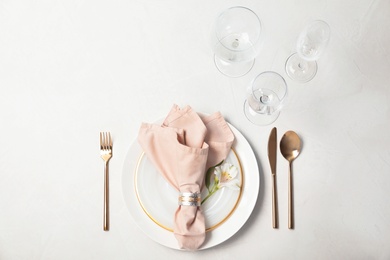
x: 235, y: 40
x: 302, y: 66
x: 268, y: 95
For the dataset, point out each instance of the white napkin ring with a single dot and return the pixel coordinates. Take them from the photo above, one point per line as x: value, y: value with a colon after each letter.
x: 189, y: 199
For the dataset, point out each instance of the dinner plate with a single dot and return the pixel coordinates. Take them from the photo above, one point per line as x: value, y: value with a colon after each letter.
x: 152, y: 202
x: 158, y: 198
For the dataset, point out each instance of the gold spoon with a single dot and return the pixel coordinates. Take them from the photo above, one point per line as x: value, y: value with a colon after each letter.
x: 290, y: 147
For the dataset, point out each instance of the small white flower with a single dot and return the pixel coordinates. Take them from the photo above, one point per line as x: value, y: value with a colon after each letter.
x: 225, y: 176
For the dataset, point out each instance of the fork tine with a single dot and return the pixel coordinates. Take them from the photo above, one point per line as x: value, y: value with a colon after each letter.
x: 109, y: 141
x: 105, y: 141
x: 101, y: 140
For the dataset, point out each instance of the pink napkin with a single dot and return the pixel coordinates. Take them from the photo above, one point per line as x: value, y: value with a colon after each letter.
x: 182, y: 149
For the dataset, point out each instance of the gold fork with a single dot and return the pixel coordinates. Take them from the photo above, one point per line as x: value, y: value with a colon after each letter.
x: 106, y: 154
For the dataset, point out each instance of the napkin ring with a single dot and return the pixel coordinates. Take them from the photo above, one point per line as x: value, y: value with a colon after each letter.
x: 189, y: 199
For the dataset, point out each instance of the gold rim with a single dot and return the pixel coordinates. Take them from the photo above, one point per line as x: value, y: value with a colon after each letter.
x: 207, y: 229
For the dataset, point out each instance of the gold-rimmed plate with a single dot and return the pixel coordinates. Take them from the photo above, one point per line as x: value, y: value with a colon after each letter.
x: 152, y: 202
x: 158, y: 198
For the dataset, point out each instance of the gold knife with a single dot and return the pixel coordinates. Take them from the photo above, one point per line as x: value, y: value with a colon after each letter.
x: 272, y: 146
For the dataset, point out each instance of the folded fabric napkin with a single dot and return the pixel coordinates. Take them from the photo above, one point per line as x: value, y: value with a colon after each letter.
x: 182, y: 149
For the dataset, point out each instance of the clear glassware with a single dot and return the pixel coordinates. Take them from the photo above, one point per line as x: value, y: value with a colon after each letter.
x: 236, y: 40
x: 268, y: 95
x: 312, y: 41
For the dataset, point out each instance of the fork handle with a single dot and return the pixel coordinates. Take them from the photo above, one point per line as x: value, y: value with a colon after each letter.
x: 106, y: 222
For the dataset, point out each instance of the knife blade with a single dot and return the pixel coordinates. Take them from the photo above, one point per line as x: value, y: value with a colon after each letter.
x: 272, y: 146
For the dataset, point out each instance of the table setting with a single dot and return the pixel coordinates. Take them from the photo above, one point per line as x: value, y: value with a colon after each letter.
x: 221, y: 130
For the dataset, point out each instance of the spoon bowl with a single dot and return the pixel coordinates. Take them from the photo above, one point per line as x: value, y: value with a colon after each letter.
x: 290, y: 147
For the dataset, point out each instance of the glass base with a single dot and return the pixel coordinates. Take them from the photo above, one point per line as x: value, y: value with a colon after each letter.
x: 299, y: 69
x: 233, y: 69
x: 259, y: 119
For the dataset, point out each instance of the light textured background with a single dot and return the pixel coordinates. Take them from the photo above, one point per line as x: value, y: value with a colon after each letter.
x: 69, y: 69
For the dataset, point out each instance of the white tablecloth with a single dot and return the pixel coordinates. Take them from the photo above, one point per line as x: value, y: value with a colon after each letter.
x: 70, y: 69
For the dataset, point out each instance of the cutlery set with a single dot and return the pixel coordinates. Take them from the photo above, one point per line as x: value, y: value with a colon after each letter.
x: 290, y: 147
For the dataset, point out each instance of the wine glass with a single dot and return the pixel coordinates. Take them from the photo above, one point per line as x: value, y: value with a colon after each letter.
x: 312, y: 41
x: 268, y: 95
x: 235, y: 40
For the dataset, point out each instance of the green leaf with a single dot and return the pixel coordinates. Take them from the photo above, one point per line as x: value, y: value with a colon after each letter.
x: 209, y: 172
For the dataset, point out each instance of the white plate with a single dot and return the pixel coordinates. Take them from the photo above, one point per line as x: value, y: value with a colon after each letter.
x: 158, y: 198
x: 226, y: 211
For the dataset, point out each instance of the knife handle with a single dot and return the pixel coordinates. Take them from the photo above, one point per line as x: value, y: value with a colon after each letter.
x: 275, y: 223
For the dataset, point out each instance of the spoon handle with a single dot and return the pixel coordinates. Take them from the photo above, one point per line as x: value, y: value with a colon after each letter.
x: 290, y: 199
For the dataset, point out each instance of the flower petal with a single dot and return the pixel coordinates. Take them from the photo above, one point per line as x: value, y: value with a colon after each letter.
x: 234, y: 184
